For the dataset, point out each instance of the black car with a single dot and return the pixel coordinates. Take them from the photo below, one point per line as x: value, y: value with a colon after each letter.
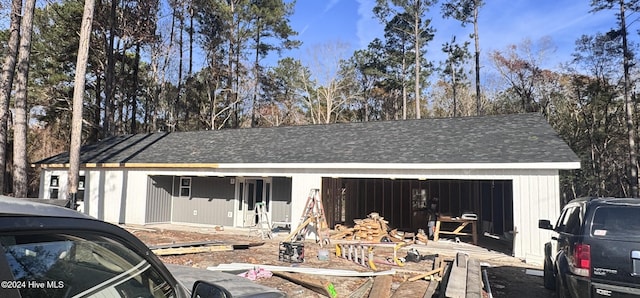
x: 51, y: 251
x: 597, y: 250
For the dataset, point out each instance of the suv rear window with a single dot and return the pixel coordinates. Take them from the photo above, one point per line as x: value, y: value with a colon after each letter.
x: 616, y: 222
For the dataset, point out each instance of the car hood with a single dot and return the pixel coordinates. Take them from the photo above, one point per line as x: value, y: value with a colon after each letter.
x: 239, y: 287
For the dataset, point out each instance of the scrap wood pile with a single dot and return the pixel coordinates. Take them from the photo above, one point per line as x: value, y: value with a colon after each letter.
x: 375, y: 228
x: 332, y: 283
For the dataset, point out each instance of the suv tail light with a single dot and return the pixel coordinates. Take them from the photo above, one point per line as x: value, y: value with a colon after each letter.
x: 581, y: 263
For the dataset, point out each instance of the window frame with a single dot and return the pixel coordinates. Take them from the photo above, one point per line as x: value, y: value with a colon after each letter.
x: 54, y: 188
x: 182, y: 187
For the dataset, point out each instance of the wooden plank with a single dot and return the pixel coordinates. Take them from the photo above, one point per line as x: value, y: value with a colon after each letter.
x: 184, y: 244
x: 315, y: 284
x: 381, y: 287
x: 436, y: 233
x: 423, y: 275
x: 191, y: 250
x: 363, y: 290
x: 457, y: 282
x: 295, y: 232
x: 411, y: 289
x: 474, y: 279
x: 431, y: 289
x: 307, y: 270
x: 459, y: 228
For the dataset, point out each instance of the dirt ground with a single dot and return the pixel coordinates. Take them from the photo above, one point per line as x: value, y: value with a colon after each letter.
x: 507, y: 276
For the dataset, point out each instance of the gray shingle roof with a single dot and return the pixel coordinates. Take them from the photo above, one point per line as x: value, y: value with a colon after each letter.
x: 516, y: 138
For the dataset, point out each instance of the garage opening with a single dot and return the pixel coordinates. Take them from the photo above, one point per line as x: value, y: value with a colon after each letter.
x: 403, y: 203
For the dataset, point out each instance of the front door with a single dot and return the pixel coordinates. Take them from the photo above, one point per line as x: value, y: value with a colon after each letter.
x: 250, y: 192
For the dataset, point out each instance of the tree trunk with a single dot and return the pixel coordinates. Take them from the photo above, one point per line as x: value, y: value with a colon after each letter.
x: 477, y: 45
x: 134, y: 97
x: 629, y: 109
x: 404, y: 83
x: 78, y: 95
x: 255, y: 67
x: 6, y: 85
x: 179, y: 105
x: 109, y: 106
x: 417, y: 50
x: 121, y: 103
x: 20, y: 179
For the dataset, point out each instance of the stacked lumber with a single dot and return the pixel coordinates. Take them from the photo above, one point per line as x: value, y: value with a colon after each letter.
x: 372, y: 228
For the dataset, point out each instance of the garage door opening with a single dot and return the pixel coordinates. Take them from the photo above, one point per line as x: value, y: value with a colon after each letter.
x: 403, y: 203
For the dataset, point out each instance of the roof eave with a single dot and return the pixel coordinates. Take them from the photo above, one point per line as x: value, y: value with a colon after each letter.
x: 428, y: 166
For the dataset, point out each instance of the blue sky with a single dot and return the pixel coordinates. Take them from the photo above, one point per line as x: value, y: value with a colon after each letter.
x: 502, y: 23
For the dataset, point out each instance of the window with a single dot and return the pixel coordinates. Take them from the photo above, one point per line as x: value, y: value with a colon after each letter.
x: 54, y: 186
x: 79, y: 265
x: 616, y: 222
x: 241, y: 195
x: 571, y: 221
x: 80, y: 194
x: 267, y: 195
x: 185, y: 187
x: 419, y: 199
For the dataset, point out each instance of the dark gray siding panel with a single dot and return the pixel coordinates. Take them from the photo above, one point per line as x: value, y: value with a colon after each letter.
x: 158, y: 199
x: 211, y: 202
x: 281, y: 201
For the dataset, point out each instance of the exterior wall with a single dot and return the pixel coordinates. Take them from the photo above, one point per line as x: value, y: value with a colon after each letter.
x: 211, y: 202
x: 134, y: 197
x: 301, y: 185
x: 534, y: 197
x: 107, y: 195
x: 281, y: 200
x: 120, y: 196
x: 116, y: 196
x: 159, y: 199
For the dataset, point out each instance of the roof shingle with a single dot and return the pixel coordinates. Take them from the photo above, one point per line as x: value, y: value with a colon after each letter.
x: 515, y: 138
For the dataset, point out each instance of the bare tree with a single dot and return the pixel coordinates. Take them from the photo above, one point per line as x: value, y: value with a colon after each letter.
x: 624, y: 5
x: 6, y: 84
x: 324, y: 102
x: 20, y: 179
x: 78, y: 94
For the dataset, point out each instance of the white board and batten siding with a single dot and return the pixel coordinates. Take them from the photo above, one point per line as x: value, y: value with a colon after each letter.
x: 301, y: 185
x: 534, y: 197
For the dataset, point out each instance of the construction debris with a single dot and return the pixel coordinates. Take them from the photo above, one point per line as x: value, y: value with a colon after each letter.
x: 191, y: 250
x: 463, y: 278
x: 381, y: 286
x: 373, y: 228
x: 197, y: 247
x: 307, y: 270
x: 315, y: 284
x: 363, y: 290
x: 426, y: 274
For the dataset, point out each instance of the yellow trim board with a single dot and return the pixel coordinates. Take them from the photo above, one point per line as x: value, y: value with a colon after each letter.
x: 139, y: 165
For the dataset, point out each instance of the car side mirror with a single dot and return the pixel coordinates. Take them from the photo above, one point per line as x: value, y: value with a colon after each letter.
x: 203, y: 289
x: 545, y: 224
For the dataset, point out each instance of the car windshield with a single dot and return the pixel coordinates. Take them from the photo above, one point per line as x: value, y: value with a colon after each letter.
x: 616, y: 222
x: 80, y: 265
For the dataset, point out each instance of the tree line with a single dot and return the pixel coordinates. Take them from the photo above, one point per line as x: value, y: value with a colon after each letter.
x: 142, y: 76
